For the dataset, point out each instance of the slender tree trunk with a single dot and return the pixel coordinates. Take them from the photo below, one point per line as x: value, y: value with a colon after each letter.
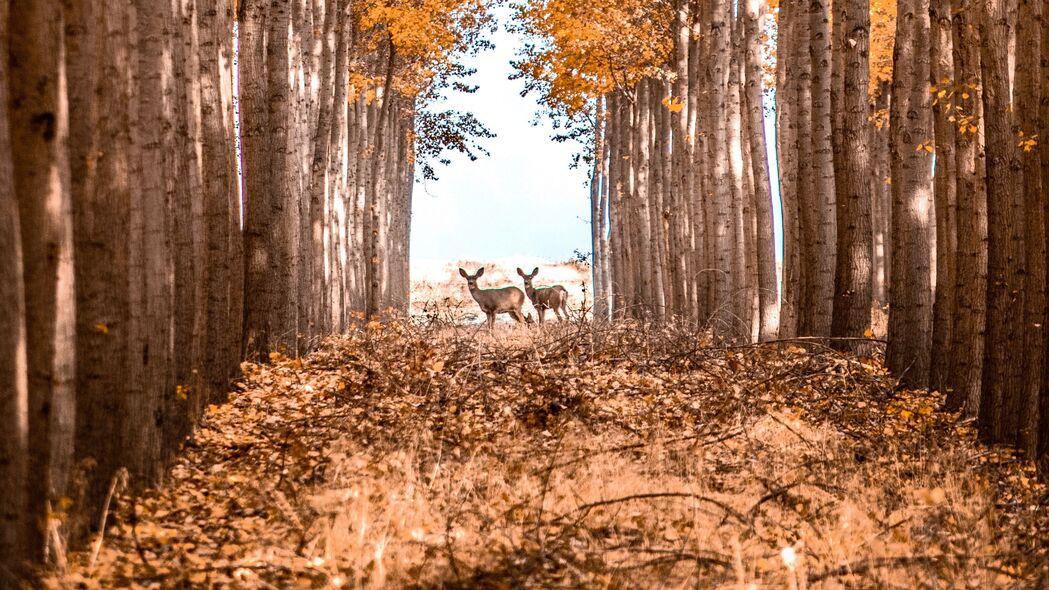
x: 39, y: 127
x: 821, y: 276
x: 597, y: 212
x: 14, y: 395
x: 723, y: 224
x: 768, y: 292
x: 881, y: 193
x: 787, y: 87
x: 260, y: 259
x: 967, y: 348
x: 1028, y: 91
x: 320, y: 309
x: 910, y: 295
x: 852, y: 291
x: 1003, y: 401
x: 945, y: 199
x: 377, y: 249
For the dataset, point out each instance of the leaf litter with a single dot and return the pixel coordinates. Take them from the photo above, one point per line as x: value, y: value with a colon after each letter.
x: 432, y: 455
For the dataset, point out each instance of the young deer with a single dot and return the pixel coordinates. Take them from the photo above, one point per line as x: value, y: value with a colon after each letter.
x: 544, y: 298
x: 492, y: 301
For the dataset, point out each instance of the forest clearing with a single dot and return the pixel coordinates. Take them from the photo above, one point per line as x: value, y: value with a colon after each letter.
x: 431, y: 455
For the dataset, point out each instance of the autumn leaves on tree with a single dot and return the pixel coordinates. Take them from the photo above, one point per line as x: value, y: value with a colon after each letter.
x: 134, y: 277
x: 910, y: 177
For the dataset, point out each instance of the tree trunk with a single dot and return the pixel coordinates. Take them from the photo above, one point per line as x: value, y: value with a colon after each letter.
x: 910, y: 295
x: 967, y: 347
x: 597, y: 213
x: 787, y: 87
x: 377, y: 238
x: 722, y: 224
x: 39, y: 127
x: 1003, y: 403
x: 945, y: 198
x: 768, y: 292
x: 1028, y: 92
x: 821, y: 275
x: 852, y: 283
x: 14, y: 395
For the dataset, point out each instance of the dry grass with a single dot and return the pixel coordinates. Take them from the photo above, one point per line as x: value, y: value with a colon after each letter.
x: 440, y: 456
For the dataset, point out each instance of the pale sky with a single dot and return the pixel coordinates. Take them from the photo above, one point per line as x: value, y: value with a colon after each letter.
x: 522, y: 200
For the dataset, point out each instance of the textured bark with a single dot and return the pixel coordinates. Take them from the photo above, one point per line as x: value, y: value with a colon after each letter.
x: 881, y: 193
x: 260, y: 259
x: 945, y: 198
x: 742, y: 295
x: 320, y: 309
x: 852, y: 285
x: 99, y: 151
x: 377, y: 251
x: 768, y: 292
x: 14, y: 396
x: 151, y: 266
x: 818, y: 312
x: 646, y: 267
x: 1028, y: 91
x: 1003, y: 400
x: 910, y: 295
x: 221, y: 202
x: 39, y: 127
x: 967, y: 348
x: 787, y: 83
x: 597, y: 214
x: 722, y: 222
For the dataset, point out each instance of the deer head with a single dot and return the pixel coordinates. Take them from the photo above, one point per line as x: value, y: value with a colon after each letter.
x: 528, y: 277
x: 471, y: 279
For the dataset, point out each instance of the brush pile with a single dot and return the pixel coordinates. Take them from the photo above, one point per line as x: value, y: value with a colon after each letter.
x: 580, y: 456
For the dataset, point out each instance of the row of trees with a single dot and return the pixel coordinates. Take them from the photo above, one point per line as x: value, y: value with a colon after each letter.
x: 134, y: 277
x: 911, y: 175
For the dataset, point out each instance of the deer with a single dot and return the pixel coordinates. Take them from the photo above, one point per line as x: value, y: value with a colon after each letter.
x: 544, y: 298
x: 492, y: 301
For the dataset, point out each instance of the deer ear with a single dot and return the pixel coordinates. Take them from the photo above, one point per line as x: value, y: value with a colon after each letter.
x: 535, y: 271
x: 463, y: 272
x: 520, y: 272
x: 480, y: 271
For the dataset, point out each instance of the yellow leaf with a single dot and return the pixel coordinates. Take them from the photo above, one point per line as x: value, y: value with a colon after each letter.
x: 101, y: 328
x: 868, y: 333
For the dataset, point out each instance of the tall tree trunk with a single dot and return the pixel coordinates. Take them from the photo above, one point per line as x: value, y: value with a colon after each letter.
x: 99, y: 150
x: 260, y: 258
x: 768, y: 292
x: 333, y: 39
x: 14, y: 395
x: 910, y: 294
x: 967, y: 347
x: 787, y: 87
x: 723, y: 238
x: 1003, y: 401
x: 597, y: 213
x: 852, y: 284
x: 1028, y: 92
x: 821, y: 276
x: 377, y: 191
x: 945, y: 198
x: 39, y: 127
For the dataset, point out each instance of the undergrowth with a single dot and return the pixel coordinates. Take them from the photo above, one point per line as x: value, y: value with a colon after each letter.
x: 576, y: 456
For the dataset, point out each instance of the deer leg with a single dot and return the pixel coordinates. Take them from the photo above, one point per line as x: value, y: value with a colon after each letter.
x: 542, y: 314
x: 491, y: 320
x: 517, y: 315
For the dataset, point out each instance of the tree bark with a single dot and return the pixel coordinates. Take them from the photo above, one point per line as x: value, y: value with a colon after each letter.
x: 945, y: 193
x: 787, y: 83
x: 910, y: 295
x: 39, y: 127
x: 852, y: 291
x: 1003, y: 403
x: 768, y: 291
x: 14, y: 395
x: 967, y: 347
x: 820, y: 277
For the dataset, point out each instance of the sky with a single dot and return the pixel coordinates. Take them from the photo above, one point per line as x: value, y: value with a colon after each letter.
x: 522, y: 200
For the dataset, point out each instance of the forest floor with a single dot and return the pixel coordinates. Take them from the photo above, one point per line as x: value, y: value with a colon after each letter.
x: 434, y: 455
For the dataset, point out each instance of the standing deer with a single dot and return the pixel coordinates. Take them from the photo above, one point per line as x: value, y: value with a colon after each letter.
x: 544, y: 298
x: 492, y: 301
